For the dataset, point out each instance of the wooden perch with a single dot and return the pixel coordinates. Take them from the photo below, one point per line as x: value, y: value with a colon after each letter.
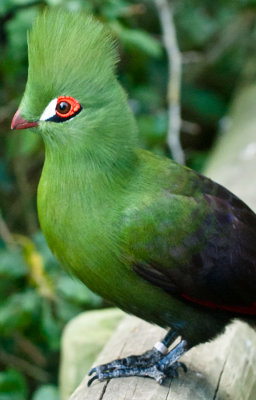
x: 221, y: 370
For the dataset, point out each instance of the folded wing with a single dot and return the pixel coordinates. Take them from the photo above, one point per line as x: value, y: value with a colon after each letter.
x: 201, y: 247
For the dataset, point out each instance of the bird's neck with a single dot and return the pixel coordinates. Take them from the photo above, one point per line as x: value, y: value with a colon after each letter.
x: 94, y: 178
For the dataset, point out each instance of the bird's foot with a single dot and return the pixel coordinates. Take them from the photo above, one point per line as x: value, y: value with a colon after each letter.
x: 152, y: 364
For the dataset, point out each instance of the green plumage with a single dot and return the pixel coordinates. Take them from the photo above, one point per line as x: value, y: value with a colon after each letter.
x: 138, y: 229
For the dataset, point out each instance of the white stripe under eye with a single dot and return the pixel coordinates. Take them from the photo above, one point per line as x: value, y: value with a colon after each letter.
x: 49, y: 111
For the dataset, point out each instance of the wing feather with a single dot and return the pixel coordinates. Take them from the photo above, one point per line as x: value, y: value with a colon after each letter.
x: 214, y: 264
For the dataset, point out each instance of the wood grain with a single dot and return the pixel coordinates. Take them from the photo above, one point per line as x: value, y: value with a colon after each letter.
x: 221, y: 370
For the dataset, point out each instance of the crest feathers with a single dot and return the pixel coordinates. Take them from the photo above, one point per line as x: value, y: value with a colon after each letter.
x: 66, y: 47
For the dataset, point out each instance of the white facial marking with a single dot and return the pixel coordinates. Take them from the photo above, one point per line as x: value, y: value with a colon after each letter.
x: 49, y: 111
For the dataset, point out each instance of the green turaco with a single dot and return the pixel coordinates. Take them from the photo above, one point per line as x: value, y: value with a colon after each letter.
x: 153, y: 237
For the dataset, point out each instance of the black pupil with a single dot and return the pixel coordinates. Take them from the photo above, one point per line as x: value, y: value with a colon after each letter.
x: 63, y: 107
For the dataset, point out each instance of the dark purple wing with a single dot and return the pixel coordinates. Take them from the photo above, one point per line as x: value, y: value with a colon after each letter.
x: 222, y: 275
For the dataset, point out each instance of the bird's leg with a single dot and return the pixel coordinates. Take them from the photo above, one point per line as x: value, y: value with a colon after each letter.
x: 151, y: 356
x: 156, y: 363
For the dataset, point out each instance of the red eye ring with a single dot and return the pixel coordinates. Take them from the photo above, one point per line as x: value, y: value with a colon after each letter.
x: 69, y: 112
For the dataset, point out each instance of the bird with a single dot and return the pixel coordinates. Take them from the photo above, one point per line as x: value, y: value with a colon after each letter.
x: 153, y: 237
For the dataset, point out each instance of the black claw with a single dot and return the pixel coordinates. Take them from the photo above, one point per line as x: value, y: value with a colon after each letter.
x: 183, y: 366
x: 171, y: 373
x: 92, y: 371
x: 175, y: 373
x: 91, y: 380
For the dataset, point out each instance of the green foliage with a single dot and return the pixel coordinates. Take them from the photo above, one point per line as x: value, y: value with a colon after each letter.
x: 74, y: 291
x: 18, y: 312
x: 12, y: 264
x: 12, y: 385
x: 37, y: 298
x: 136, y: 39
x: 48, y: 392
x: 209, y: 105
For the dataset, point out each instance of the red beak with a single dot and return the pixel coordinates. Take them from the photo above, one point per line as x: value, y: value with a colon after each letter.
x: 19, y: 123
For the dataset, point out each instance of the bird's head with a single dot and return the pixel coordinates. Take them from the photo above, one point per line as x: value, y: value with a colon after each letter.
x: 72, y: 98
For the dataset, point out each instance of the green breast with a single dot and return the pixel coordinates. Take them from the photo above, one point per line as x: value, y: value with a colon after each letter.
x: 80, y: 232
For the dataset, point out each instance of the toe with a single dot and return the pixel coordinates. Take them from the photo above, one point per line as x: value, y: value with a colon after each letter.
x: 92, y: 371
x: 92, y: 379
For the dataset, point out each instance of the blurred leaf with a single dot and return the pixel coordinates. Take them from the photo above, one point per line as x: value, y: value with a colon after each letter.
x: 135, y: 38
x: 6, y: 183
x: 18, y: 311
x: 46, y: 392
x: 50, y: 262
x: 205, y: 103
x: 30, y: 143
x: 26, y: 144
x: 197, y: 160
x: 66, y: 310
x: 75, y: 291
x: 17, y: 31
x: 147, y: 97
x: 54, y: 2
x: 12, y: 263
x: 4, y: 6
x: 37, y: 273
x: 196, y: 25
x: 8, y: 5
x: 50, y: 327
x: 12, y: 385
x: 112, y: 9
x: 153, y: 130
x: 72, y: 5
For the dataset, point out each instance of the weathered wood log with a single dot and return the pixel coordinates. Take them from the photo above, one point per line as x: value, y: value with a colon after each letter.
x: 233, y: 159
x: 222, y: 369
x: 225, y: 368
x: 83, y: 339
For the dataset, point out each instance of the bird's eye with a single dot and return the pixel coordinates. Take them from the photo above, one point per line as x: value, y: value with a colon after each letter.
x: 67, y: 107
x: 61, y: 109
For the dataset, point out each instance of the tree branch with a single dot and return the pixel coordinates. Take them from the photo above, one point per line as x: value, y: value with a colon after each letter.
x: 24, y: 366
x: 174, y: 82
